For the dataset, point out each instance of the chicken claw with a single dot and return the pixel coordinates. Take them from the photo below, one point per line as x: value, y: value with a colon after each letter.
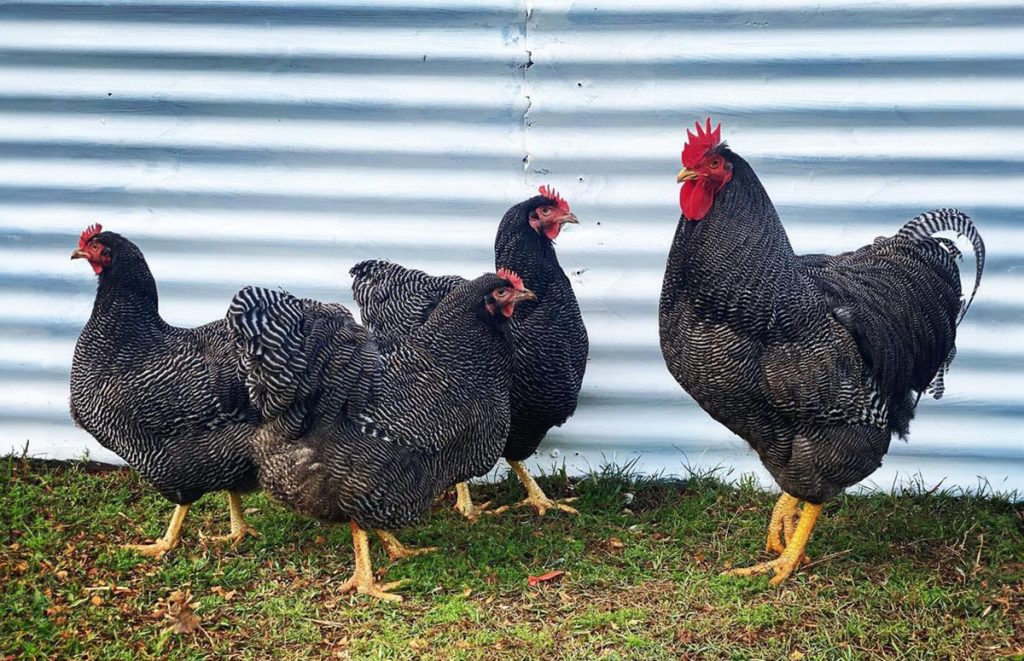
x: 793, y: 554
x: 535, y: 498
x: 362, y: 580
x: 169, y: 541
x: 397, y: 550
x: 239, y: 528
x: 464, y: 504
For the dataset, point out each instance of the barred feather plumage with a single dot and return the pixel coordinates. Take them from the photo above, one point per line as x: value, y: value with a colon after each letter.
x: 167, y: 400
x: 551, y: 344
x: 815, y: 360
x: 354, y: 432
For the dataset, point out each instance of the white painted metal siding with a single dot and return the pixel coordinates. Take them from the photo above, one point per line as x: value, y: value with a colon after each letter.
x: 279, y: 142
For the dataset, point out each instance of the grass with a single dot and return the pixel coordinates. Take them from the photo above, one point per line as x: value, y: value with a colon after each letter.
x: 912, y: 575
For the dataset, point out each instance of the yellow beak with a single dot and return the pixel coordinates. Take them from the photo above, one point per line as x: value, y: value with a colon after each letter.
x: 686, y: 175
x: 78, y: 253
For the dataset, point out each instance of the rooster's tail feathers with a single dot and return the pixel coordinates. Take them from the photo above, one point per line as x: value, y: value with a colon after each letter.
x: 930, y: 223
x: 925, y: 228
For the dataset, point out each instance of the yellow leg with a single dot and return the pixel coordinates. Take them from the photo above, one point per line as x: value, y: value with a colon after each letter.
x: 170, y: 539
x: 780, y: 530
x: 239, y: 528
x: 535, y: 496
x: 399, y: 551
x: 362, y: 580
x: 791, y: 557
x: 464, y: 503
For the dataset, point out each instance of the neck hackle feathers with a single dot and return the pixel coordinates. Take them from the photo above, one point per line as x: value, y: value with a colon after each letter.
x: 697, y: 145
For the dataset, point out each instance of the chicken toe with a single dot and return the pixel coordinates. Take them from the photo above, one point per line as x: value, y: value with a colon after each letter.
x: 362, y: 580
x: 239, y: 528
x: 464, y: 504
x: 396, y: 550
x: 792, y: 556
x: 535, y: 498
x: 169, y: 541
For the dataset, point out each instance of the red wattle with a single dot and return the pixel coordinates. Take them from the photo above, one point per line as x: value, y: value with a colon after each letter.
x: 695, y: 199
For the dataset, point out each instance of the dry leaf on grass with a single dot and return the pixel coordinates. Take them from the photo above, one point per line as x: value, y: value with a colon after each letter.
x: 550, y: 576
x: 180, y: 614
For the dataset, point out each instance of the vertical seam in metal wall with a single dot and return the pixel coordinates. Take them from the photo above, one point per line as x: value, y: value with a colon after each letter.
x: 528, y: 97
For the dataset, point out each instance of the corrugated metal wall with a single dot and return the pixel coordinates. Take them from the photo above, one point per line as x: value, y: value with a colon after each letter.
x: 279, y: 142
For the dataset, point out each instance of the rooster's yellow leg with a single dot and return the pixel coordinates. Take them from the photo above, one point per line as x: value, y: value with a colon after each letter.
x: 399, y: 551
x: 362, y: 580
x: 239, y: 528
x: 780, y: 530
x: 535, y: 496
x: 464, y: 503
x: 170, y: 539
x: 785, y: 564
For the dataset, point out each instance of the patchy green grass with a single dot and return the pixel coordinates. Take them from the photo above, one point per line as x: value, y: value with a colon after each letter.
x: 903, y: 576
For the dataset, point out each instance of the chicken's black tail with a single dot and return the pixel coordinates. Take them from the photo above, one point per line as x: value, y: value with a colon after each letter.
x: 291, y: 350
x: 927, y: 227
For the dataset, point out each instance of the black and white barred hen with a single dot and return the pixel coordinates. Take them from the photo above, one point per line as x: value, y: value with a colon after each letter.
x: 370, y: 437
x: 167, y: 400
x: 815, y: 360
x: 550, y: 339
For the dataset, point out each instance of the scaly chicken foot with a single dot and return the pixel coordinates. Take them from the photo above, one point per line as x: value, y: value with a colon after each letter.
x: 397, y: 550
x: 239, y: 528
x: 170, y: 539
x: 464, y: 503
x: 535, y: 496
x: 792, y: 556
x: 362, y: 580
x: 782, y: 526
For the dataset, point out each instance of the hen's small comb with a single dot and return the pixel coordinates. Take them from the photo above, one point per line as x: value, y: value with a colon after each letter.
x: 698, y: 145
x: 512, y: 277
x: 551, y: 193
x: 90, y: 232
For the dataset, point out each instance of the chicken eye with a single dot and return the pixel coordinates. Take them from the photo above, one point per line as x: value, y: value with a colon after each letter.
x: 500, y: 292
x: 715, y: 163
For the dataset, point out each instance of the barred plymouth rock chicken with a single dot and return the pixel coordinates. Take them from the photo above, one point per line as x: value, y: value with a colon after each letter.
x: 815, y: 360
x: 167, y: 400
x: 356, y: 434
x: 550, y: 339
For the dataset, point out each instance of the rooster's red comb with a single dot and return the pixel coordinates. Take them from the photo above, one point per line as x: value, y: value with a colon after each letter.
x: 90, y: 232
x: 512, y: 277
x: 698, y: 145
x: 552, y: 194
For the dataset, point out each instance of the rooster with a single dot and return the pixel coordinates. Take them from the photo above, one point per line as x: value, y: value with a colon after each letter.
x: 167, y: 400
x: 817, y: 361
x: 370, y: 437
x: 550, y: 339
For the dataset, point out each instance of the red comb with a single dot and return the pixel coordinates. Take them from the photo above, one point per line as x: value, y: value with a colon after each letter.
x: 90, y: 232
x: 510, y: 275
x: 551, y: 193
x: 698, y: 145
